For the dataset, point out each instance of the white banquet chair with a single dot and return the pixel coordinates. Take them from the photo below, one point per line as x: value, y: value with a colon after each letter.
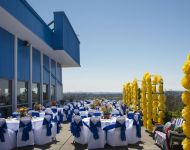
x: 76, y: 112
x: 114, y: 135
x: 132, y: 137
x: 81, y: 138
x: 96, y: 142
x: 41, y: 134
x: 22, y: 140
x: 9, y: 137
x: 66, y: 112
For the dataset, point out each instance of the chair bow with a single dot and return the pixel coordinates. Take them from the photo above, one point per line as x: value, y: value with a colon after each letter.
x: 15, y: 115
x: 69, y: 116
x: 35, y: 114
x: 82, y: 109
x: 48, y: 126
x: 123, y: 129
x: 58, y: 124
x: 26, y: 129
x: 138, y: 126
x: 66, y: 111
x: 123, y: 107
x: 76, y: 128
x: 130, y: 115
x: 2, y: 131
x: 60, y: 116
x: 97, y: 114
x: 54, y: 110
x: 94, y: 129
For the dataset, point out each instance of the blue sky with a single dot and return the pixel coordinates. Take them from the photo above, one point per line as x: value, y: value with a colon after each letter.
x: 120, y: 40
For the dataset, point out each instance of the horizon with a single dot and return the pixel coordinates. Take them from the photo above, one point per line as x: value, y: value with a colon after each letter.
x: 119, y: 45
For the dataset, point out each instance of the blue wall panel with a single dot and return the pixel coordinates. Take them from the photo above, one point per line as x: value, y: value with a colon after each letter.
x: 36, y: 66
x: 64, y: 36
x: 6, y: 54
x: 46, y: 72
x: 23, y: 61
x: 24, y: 13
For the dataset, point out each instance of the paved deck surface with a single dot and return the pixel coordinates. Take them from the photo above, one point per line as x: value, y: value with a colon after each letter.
x: 64, y: 141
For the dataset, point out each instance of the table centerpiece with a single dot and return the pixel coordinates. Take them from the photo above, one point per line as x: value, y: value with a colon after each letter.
x: 107, y: 110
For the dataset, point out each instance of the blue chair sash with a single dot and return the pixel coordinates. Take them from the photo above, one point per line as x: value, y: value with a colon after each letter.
x: 60, y: 117
x: 123, y: 107
x: 114, y: 104
x: 48, y: 126
x: 123, y: 129
x: 35, y: 114
x: 3, y: 131
x: 54, y: 110
x: 15, y: 114
x: 73, y: 105
x: 66, y: 111
x: 117, y: 125
x: 76, y: 128
x: 89, y: 115
x: 130, y: 115
x: 94, y: 129
x: 97, y: 114
x: 58, y: 124
x: 138, y: 127
x: 82, y: 109
x: 69, y: 107
x: 26, y: 129
x: 69, y: 116
x: 83, y: 117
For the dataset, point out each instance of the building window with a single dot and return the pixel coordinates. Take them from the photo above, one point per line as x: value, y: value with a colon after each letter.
x: 45, y: 94
x: 36, y: 93
x: 5, y: 97
x: 22, y: 93
x: 52, y: 92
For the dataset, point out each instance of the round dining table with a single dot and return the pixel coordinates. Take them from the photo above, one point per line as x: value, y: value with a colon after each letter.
x: 107, y: 122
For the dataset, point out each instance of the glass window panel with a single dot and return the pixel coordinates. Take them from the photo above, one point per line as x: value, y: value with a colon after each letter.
x: 5, y: 97
x: 22, y: 93
x: 5, y: 92
x: 45, y: 94
x: 36, y: 93
x: 52, y: 92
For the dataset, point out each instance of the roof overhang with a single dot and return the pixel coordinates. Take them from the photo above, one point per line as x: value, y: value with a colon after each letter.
x: 12, y: 25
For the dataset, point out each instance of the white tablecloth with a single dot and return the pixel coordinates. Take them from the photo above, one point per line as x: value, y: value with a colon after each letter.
x: 13, y: 124
x: 106, y: 122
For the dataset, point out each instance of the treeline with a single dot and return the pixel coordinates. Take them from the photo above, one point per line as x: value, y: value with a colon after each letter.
x: 173, y: 102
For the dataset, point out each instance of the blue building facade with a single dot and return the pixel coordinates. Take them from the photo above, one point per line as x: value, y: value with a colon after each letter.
x: 32, y: 55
